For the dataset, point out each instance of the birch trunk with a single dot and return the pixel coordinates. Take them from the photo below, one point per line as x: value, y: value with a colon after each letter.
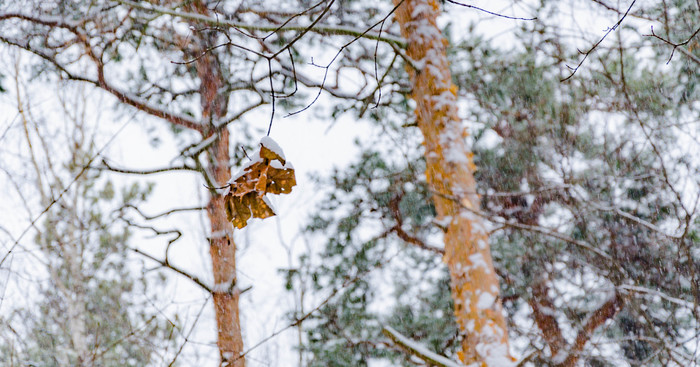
x: 72, y: 285
x: 449, y: 172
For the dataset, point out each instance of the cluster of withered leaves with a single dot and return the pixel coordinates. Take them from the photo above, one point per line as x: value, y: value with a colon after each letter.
x: 267, y: 173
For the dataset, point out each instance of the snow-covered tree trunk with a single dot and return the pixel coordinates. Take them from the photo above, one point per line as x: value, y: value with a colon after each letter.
x: 450, y: 177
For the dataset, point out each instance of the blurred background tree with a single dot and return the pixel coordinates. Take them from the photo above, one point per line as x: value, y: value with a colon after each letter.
x: 589, y: 184
x: 88, y: 297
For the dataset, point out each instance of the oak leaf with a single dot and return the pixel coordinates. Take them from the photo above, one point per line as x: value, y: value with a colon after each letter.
x: 267, y: 172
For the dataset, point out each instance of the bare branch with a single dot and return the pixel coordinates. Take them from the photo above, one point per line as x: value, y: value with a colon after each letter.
x: 305, y: 30
x: 107, y: 167
x: 141, y: 104
x: 166, y: 264
x: 606, y: 312
x: 486, y: 11
x: 396, y: 214
x: 101, y: 81
x: 163, y: 214
x: 320, y: 29
x: 689, y: 55
x: 587, y: 53
x: 60, y: 195
x: 239, y: 114
x: 676, y: 45
x: 543, y: 309
x: 656, y: 293
x: 414, y: 348
x: 416, y: 241
x: 308, y: 82
x: 340, y: 51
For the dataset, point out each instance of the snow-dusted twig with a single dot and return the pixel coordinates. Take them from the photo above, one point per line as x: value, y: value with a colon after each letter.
x: 654, y: 292
x: 418, y: 350
x: 107, y: 167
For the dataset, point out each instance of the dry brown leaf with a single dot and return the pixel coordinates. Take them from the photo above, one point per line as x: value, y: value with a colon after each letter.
x: 268, y: 172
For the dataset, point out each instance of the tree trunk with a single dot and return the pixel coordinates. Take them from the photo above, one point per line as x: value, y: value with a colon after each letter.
x: 222, y: 248
x: 223, y: 257
x: 214, y: 103
x: 449, y: 172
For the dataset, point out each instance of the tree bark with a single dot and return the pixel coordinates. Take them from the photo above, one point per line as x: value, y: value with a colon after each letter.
x: 223, y: 257
x: 449, y: 172
x: 214, y: 104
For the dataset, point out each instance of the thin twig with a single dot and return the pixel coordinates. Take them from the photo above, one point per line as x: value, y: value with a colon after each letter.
x: 107, y: 167
x: 487, y: 11
x: 301, y: 319
x: 63, y: 192
x: 415, y: 349
x: 587, y: 53
x: 340, y: 50
x: 321, y: 29
x: 675, y: 45
x: 166, y: 264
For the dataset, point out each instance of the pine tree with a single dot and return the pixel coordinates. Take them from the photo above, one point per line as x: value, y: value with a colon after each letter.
x: 581, y: 202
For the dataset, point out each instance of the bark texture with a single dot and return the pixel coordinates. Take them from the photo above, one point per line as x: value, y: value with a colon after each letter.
x: 449, y: 172
x: 214, y: 103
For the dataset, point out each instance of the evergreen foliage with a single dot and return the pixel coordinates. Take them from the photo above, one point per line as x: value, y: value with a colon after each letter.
x: 92, y: 308
x: 592, y: 160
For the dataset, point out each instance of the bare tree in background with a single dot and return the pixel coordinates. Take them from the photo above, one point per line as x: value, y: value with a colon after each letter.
x: 90, y: 309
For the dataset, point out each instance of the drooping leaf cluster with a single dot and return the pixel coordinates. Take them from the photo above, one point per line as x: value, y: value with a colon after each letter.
x: 267, y: 172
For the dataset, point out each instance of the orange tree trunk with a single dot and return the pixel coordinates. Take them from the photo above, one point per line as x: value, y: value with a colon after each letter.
x: 223, y: 256
x: 449, y: 172
x: 214, y: 102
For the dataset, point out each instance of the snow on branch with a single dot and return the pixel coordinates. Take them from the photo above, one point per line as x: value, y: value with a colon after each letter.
x: 107, y: 167
x: 140, y: 103
x: 49, y: 21
x: 320, y: 29
x: 418, y: 350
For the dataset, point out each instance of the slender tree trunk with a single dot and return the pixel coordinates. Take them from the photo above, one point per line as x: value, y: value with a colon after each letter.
x: 222, y: 248
x: 214, y: 102
x: 449, y: 172
x: 223, y: 256
x: 70, y: 284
